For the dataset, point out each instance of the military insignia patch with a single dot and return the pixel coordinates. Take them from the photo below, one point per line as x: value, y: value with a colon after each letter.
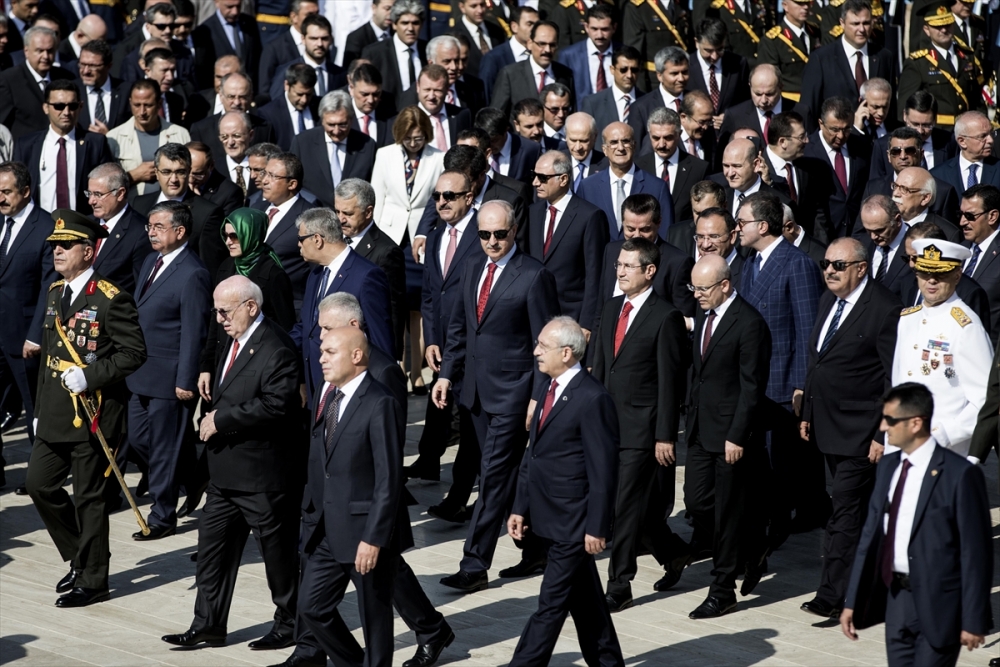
x: 911, y: 310
x: 81, y: 341
x: 109, y: 290
x: 960, y: 316
x: 94, y: 330
x: 90, y: 358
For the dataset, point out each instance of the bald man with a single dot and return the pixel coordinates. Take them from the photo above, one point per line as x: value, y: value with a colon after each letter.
x: 742, y: 166
x: 765, y: 102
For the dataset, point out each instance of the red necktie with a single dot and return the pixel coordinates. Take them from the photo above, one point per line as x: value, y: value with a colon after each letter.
x: 550, y: 398
x: 152, y: 276
x: 889, y: 545
x: 622, y: 325
x: 484, y: 291
x: 322, y: 402
x: 692, y: 149
x: 791, y: 182
x: 548, y: 232
x: 840, y: 168
x: 602, y: 80
x: 859, y: 71
x: 100, y: 242
x: 708, y: 333
x: 62, y: 176
x: 666, y: 173
x: 677, y: 103
x: 713, y: 88
x: 364, y: 123
x: 271, y: 212
x: 449, y: 254
x: 232, y: 357
x: 767, y: 123
x: 541, y: 80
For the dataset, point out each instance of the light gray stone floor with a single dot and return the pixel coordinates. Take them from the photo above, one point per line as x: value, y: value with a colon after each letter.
x: 153, y: 594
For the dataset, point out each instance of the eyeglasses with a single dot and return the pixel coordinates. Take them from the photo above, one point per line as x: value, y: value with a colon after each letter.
x: 270, y: 176
x: 559, y: 110
x: 629, y: 267
x: 448, y: 195
x: 91, y: 194
x: 892, y: 421
x: 498, y: 234
x: 235, y: 137
x: 158, y: 227
x: 231, y: 237
x: 836, y: 130
x: 545, y: 348
x: 227, y: 313
x: 709, y: 237
x: 970, y: 216
x: 173, y: 172
x: 163, y: 26
x: 905, y: 190
x: 305, y: 236
x: 978, y: 137
x: 699, y: 289
x: 546, y: 45
x: 742, y: 223
x: 910, y: 151
x: 837, y: 264
x: 60, y: 106
x: 543, y: 178
x: 65, y: 245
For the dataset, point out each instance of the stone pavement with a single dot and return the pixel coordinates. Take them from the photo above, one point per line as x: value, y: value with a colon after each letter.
x: 153, y: 594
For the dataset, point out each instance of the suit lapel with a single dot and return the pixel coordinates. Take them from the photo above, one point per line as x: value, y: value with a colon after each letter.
x: 640, y: 318
x: 852, y: 317
x: 987, y: 258
x: 242, y: 358
x: 26, y: 230
x: 162, y: 278
x: 934, y: 470
x: 110, y: 245
x: 564, y: 224
x: 352, y: 407
x: 722, y: 327
x: 768, y: 273
x: 506, y: 279
x: 563, y: 401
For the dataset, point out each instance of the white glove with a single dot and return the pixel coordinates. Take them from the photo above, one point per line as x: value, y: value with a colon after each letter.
x: 75, y: 380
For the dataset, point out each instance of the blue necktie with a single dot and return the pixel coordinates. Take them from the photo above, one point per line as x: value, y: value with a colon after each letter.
x: 971, y: 268
x: 579, y: 177
x: 302, y: 121
x: 833, y: 326
x: 322, y: 292
x: 972, y: 180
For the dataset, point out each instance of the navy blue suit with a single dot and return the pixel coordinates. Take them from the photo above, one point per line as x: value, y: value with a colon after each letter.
x: 124, y: 251
x: 951, y: 173
x: 91, y: 151
x: 597, y: 190
x: 364, y: 280
x: 566, y: 485
x: 577, y: 58
x: 950, y: 559
x: 284, y: 240
x: 495, y: 60
x: 276, y: 114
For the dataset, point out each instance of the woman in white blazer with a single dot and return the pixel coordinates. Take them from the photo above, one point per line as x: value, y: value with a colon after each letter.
x: 404, y: 176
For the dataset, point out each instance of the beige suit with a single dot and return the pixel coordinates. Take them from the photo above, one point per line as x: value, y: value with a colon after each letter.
x: 124, y: 143
x: 396, y: 211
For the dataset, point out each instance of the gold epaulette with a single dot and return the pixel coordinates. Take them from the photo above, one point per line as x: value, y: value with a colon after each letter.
x: 716, y: 4
x: 836, y: 3
x: 109, y: 290
x: 917, y: 55
x: 58, y: 283
x: 638, y: 2
x: 911, y: 310
x: 773, y: 32
x: 567, y: 3
x: 960, y: 316
x: 837, y: 30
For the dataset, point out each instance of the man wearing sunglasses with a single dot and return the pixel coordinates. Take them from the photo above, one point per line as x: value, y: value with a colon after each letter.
x: 557, y: 105
x: 980, y: 218
x: 942, y: 344
x: 506, y: 300
x: 61, y: 157
x: 615, y: 102
x: 936, y: 144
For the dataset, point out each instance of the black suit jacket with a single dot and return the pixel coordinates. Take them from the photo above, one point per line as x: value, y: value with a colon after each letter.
x: 897, y: 274
x: 844, y: 207
x: 647, y: 377
x: 516, y: 82
x: 942, y: 140
x: 845, y: 383
x: 813, y: 248
x: 257, y: 408
x: 945, y: 205
x: 829, y: 74
x: 735, y: 87
x: 276, y: 114
x: 494, y: 32
x: 604, y: 110
x: 25, y: 277
x: 440, y: 292
x: 116, y: 107
x: 383, y: 128
x: 206, y: 237
x: 987, y: 274
x: 728, y: 384
x: 222, y: 192
x: 383, y: 56
x: 285, y: 243
x: 206, y: 130
x: 310, y: 146
x: 279, y: 50
x: 574, y: 256
x: 523, y: 156
x: 381, y: 250
x: 811, y: 207
x: 471, y: 93
x: 21, y: 98
x: 123, y: 252
x: 673, y: 273
x: 211, y: 43
x: 91, y: 151
x: 356, y: 42
x: 690, y: 170
x: 336, y: 76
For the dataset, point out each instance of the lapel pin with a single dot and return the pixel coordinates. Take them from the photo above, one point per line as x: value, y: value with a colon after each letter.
x: 81, y: 142
x: 251, y: 350
x: 933, y: 473
x: 565, y: 398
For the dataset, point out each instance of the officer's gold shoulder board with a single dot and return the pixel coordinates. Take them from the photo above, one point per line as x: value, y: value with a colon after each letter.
x: 109, y: 290
x: 58, y: 283
x: 960, y: 316
x: 916, y: 55
x: 837, y: 30
x: 638, y: 2
x: 911, y: 310
x: 567, y: 3
x: 836, y: 3
x: 717, y: 3
x: 773, y: 32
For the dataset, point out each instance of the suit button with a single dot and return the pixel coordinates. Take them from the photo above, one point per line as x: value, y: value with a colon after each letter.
x: 914, y: 347
x: 909, y: 372
x: 612, y: 371
x: 328, y: 475
x: 59, y: 344
x: 55, y: 375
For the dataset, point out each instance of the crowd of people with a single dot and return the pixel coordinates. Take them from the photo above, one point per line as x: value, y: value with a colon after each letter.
x: 234, y: 242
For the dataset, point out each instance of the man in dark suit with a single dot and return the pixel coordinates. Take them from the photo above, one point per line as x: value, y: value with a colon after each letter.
x: 355, y: 205
x: 850, y: 354
x: 568, y: 235
x: 207, y: 181
x: 725, y: 429
x: 236, y: 92
x: 102, y: 94
x: 173, y: 164
x: 291, y: 112
x: 478, y: 138
x: 510, y: 155
x: 319, y: 54
x: 378, y: 28
x: 887, y: 259
x: 915, y: 191
x: 705, y: 194
x: 121, y: 255
x: 792, y: 174
x: 677, y: 169
x: 252, y: 459
x: 21, y: 93
x: 173, y: 300
x: 924, y: 562
x: 672, y: 74
x: 446, y: 119
x: 831, y: 73
x: 401, y: 57
x: 590, y: 58
x: 513, y: 50
x: 354, y: 484
x: 640, y: 354
x: 153, y: 22
x: 797, y: 236
x: 765, y: 101
x: 226, y: 32
x: 338, y: 269
x: 506, y: 310
x: 573, y: 444
x: 369, y: 113
x: 62, y: 186
x: 581, y: 137
x: 937, y: 145
x: 483, y: 35
x: 608, y: 189
x: 980, y: 220
x: 975, y: 163
x: 609, y: 105
x: 464, y: 89
x: 740, y: 167
x: 714, y: 68
x: 354, y: 152
x: 526, y: 78
x: 285, y: 47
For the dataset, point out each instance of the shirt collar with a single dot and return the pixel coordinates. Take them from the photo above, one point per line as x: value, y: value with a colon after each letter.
x: 922, y: 455
x: 224, y: 22
x: 400, y: 47
x: 502, y: 262
x: 350, y: 388
x: 378, y: 31
x: 562, y: 203
x: 25, y: 212
x: 964, y: 165
x: 283, y: 208
x: 464, y: 222
x: 766, y: 252
x: 52, y: 137
x: 111, y: 222
x: 668, y: 98
x: 853, y: 297
x: 360, y: 235
x: 827, y: 147
x: 592, y: 48
x: 721, y: 309
x: 78, y: 283
x: 988, y: 240
x: 536, y: 68
x: 918, y: 218
x: 232, y: 164
x: 706, y: 67
x: 850, y: 51
x: 338, y: 261
x: 568, y: 375
x: 105, y: 88
x: 242, y: 340
x: 38, y: 77
x: 517, y: 49
x: 798, y: 31
x: 749, y: 191
x: 777, y: 161
x: 639, y: 299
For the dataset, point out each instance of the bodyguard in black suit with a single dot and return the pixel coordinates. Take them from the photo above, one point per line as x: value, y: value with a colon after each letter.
x: 254, y: 448
x: 731, y: 69
x: 564, y: 492
x: 206, y: 131
x: 226, y: 32
x: 725, y: 431
x: 209, y: 182
x: 283, y: 48
x: 121, y: 255
x: 982, y: 204
x: 383, y: 55
x: 924, y: 563
x: 795, y: 175
x: 21, y: 96
x: 298, y: 91
x: 524, y: 79
x: 850, y: 367
x: 361, y: 37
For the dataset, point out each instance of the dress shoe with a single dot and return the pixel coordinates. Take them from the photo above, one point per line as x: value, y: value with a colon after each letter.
x: 618, y: 601
x: 672, y: 573
x: 425, y: 471
x: 21, y: 490
x: 299, y: 661
x: 142, y: 488
x: 271, y: 641
x: 467, y: 582
x: 195, y: 637
x: 448, y: 512
x: 191, y: 502
x: 752, y: 577
x: 81, y: 597
x: 995, y: 662
x: 713, y: 607
x: 68, y: 583
x: 820, y: 608
x: 155, y: 533
x: 427, y: 654
x: 420, y: 390
x: 525, y: 568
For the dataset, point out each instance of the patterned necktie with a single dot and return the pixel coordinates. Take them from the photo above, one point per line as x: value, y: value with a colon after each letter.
x: 449, y: 253
x: 627, y: 100
x: 549, y: 230
x: 412, y: 164
x: 541, y: 80
x: 62, y: 176
x: 100, y: 113
x: 859, y: 71
x: 790, y: 178
x: 666, y: 173
x: 323, y: 284
x: 889, y: 544
x: 335, y: 171
x: 622, y: 325
x: 332, y: 418
x: 302, y: 122
x: 709, y: 321
x: 550, y: 399
x: 602, y: 80
x: 322, y: 401
x: 240, y: 181
x: 713, y: 88
x: 484, y: 291
x: 5, y: 242
x: 834, y: 325
x: 483, y: 46
x: 971, y: 266
x: 972, y: 180
x: 883, y: 265
x: 440, y: 140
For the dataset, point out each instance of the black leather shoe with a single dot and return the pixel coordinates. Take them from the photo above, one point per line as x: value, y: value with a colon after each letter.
x: 271, y: 641
x: 672, y: 573
x: 618, y: 602
x: 68, y: 583
x: 195, y: 637
x: 995, y: 662
x: 81, y: 597
x: 299, y: 661
x: 752, y: 577
x: 424, y: 471
x: 448, y: 513
x: 155, y: 533
x: 525, y: 568
x: 820, y: 608
x: 21, y: 490
x: 713, y: 607
x: 467, y: 582
x: 142, y: 488
x: 427, y: 654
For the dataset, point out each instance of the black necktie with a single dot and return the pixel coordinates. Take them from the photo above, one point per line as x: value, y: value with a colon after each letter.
x: 100, y: 113
x: 5, y: 242
x: 66, y: 301
x: 332, y: 417
x: 883, y: 265
x: 409, y: 65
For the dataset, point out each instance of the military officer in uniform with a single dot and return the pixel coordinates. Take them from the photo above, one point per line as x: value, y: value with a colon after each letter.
x: 569, y: 15
x: 788, y: 46
x: 747, y: 21
x: 91, y: 341
x: 948, y: 71
x: 652, y: 25
x: 942, y: 343
x: 826, y: 15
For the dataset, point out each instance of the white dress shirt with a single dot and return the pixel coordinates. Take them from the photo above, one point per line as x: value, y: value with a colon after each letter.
x: 77, y: 284
x: 47, y: 175
x: 282, y: 210
x: 348, y: 391
x: 563, y: 380
x: 110, y: 225
x: 242, y: 340
x: 18, y: 223
x: 671, y: 167
x: 964, y: 165
x: 341, y: 149
x: 500, y: 264
x: 232, y: 32
x: 778, y: 163
x: 321, y: 75
x: 475, y: 31
x: 553, y: 133
x: 620, y: 98
x: 443, y: 119
x: 613, y: 180
x: 705, y: 69
x: 798, y: 32
x: 593, y: 63
x: 851, y: 300
x: 461, y: 226
x: 669, y: 98
x: 982, y: 248
x: 404, y: 52
x: 39, y: 79
x: 699, y: 152
x: 92, y: 100
x: 637, y: 302
x: 536, y: 69
x: 831, y: 156
x: 947, y: 54
x: 372, y: 125
x: 919, y: 460
x: 299, y: 39
x: 293, y: 113
x: 231, y: 170
x: 928, y: 149
x: 852, y: 57
x: 560, y: 207
x: 749, y: 191
x: 894, y: 246
x: 766, y: 252
x: 520, y: 52
x: 167, y: 260
x: 720, y: 310
x: 503, y: 160
x: 762, y: 119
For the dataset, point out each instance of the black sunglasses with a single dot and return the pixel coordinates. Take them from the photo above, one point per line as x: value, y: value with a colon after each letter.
x: 59, y: 106
x: 837, y: 264
x: 909, y: 150
x: 499, y: 234
x: 65, y: 245
x: 892, y: 421
x: 235, y: 239
x: 163, y: 26
x: 448, y: 195
x: 970, y: 216
x: 543, y: 178
x: 302, y: 238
